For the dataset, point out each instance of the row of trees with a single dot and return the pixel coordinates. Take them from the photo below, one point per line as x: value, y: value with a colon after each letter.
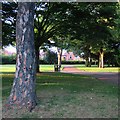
x: 91, y: 32
x: 84, y: 27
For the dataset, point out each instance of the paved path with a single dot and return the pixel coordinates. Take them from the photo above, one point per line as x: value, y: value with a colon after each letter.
x: 111, y: 77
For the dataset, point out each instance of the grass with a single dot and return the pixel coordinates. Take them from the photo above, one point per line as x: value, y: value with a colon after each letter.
x: 63, y: 95
x: 96, y: 69
x: 49, y: 68
x: 11, y: 68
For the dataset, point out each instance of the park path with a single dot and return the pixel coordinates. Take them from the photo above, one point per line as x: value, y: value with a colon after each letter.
x: 111, y: 77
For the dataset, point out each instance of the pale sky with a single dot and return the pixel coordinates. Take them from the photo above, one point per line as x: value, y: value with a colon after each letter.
x: 11, y: 49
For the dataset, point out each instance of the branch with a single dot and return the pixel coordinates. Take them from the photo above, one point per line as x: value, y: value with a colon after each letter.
x: 45, y: 17
x: 53, y: 28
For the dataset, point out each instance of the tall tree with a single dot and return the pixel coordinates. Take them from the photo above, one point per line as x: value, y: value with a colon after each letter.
x: 95, y: 27
x: 61, y: 41
x: 23, y: 90
x: 87, y: 22
x: 114, y: 44
x: 50, y: 18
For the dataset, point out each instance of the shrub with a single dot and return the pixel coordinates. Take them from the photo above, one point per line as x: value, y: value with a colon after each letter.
x: 7, y: 59
x: 73, y: 62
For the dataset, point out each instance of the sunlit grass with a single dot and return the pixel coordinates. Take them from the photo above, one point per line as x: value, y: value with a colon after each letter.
x: 44, y: 68
x: 50, y: 68
x: 96, y: 69
x: 7, y: 68
x: 11, y: 68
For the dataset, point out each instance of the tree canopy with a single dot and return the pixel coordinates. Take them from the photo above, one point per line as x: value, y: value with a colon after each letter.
x: 85, y: 26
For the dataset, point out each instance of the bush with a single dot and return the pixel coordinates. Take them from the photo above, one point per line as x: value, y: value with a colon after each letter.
x: 8, y: 59
x: 42, y: 62
x: 73, y: 62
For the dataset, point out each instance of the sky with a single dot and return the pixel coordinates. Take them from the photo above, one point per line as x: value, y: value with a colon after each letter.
x: 12, y: 49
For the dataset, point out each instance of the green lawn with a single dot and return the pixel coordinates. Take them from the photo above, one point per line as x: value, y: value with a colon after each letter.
x: 11, y: 68
x: 63, y: 95
x: 50, y: 68
x: 96, y: 69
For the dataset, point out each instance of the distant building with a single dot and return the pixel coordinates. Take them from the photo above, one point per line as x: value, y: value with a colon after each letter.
x: 66, y: 56
x: 69, y: 56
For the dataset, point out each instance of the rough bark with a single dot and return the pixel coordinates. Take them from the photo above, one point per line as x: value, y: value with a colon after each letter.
x: 23, y: 89
x: 59, y: 53
x: 101, y: 56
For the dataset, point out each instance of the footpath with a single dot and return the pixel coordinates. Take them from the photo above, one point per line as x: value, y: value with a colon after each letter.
x: 110, y: 77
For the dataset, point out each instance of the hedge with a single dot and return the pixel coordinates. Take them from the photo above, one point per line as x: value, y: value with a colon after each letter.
x: 12, y: 60
x: 73, y: 62
x: 7, y: 59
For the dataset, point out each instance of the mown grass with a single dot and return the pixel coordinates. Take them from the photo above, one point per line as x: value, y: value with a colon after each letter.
x: 97, y: 69
x: 11, y: 68
x: 63, y: 95
x: 49, y: 68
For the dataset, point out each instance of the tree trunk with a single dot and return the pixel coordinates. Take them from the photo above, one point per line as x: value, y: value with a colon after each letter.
x: 37, y: 58
x: 101, y: 56
x: 59, y: 58
x: 23, y: 91
x: 86, y: 62
x: 88, y: 59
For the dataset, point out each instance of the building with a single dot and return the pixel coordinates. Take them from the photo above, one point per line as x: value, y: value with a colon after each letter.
x: 69, y: 56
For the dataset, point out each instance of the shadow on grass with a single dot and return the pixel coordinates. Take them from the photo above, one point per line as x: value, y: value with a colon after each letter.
x: 67, y: 95
x: 63, y: 81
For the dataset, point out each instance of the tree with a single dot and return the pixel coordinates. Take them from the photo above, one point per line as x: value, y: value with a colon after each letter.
x: 50, y: 18
x: 114, y: 44
x: 86, y: 22
x: 61, y: 41
x: 95, y: 25
x: 9, y: 12
x: 23, y: 90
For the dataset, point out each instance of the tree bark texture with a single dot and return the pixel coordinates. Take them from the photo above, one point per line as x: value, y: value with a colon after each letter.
x: 23, y: 90
x: 59, y: 53
x: 101, y: 60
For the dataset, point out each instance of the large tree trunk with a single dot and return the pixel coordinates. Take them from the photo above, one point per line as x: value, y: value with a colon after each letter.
x: 59, y: 53
x: 37, y: 58
x: 101, y: 56
x: 23, y: 90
